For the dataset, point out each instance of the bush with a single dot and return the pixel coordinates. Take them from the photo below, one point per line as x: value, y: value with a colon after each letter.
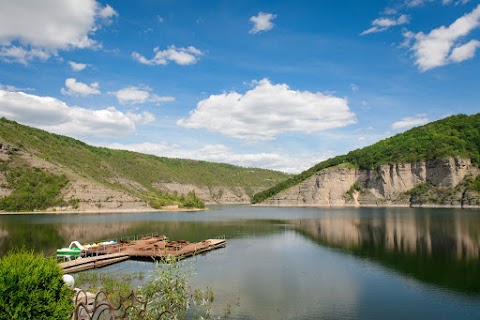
x: 32, y: 287
x: 33, y: 189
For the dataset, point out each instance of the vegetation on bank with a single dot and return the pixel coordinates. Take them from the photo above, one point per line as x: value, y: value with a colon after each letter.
x: 32, y: 188
x: 465, y: 191
x: 166, y: 290
x: 189, y: 201
x: 138, y: 174
x: 32, y: 287
x: 457, y: 135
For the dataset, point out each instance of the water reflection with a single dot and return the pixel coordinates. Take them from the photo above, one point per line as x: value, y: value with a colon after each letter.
x: 46, y: 234
x: 441, y: 249
x: 456, y: 235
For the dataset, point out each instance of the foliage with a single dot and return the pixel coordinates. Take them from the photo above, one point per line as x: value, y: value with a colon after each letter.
x: 354, y: 188
x: 33, y: 189
x: 32, y: 287
x: 142, y: 173
x: 423, y: 193
x: 453, y: 136
x: 189, y: 201
x: 473, y: 184
x: 166, y: 288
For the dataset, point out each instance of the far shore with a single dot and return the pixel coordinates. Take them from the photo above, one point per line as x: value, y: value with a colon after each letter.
x: 174, y: 209
x: 95, y: 211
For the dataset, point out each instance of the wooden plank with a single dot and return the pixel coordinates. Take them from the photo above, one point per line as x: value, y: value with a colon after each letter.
x: 93, y: 262
x: 78, y: 268
x: 144, y: 248
x: 102, y: 263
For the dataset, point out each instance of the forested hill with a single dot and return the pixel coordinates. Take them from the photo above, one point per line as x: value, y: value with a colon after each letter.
x: 138, y: 174
x: 457, y: 135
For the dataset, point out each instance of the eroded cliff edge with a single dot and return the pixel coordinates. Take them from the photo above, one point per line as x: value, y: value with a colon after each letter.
x: 441, y: 182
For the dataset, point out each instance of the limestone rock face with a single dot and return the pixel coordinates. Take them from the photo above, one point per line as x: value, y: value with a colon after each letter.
x: 210, y: 195
x: 385, y: 185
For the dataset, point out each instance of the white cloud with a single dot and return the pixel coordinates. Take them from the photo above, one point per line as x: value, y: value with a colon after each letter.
x: 445, y: 2
x: 135, y: 95
x: 75, y: 88
x: 268, y: 110
x: 382, y: 24
x: 142, y: 118
x: 409, y: 122
x: 262, y: 22
x: 54, y: 115
x: 32, y: 29
x: 182, y: 56
x: 415, y: 3
x: 222, y: 154
x: 390, y: 11
x: 440, y: 46
x: 13, y: 88
x: 77, y: 66
x: 464, y: 52
x: 354, y: 87
x: 21, y: 55
x: 107, y: 12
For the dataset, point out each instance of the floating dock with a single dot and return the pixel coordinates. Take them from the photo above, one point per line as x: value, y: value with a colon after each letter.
x: 155, y: 247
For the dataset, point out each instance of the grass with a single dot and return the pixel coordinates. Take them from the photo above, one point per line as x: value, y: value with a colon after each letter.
x: 132, y: 172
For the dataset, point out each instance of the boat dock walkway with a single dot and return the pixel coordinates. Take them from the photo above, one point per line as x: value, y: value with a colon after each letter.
x: 155, y: 247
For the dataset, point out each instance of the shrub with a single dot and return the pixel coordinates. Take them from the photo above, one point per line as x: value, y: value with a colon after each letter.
x: 32, y: 287
x: 33, y: 189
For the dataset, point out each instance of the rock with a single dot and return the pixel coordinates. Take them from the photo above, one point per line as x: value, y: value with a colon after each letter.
x: 385, y: 185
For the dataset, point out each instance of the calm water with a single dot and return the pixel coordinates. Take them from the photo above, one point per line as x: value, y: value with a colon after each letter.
x: 301, y: 263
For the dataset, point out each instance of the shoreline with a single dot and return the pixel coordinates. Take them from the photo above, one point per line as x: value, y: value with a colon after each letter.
x: 427, y: 205
x: 97, y: 211
x: 173, y: 210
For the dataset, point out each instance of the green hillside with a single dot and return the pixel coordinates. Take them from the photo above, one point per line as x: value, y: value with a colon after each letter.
x: 457, y: 135
x: 111, y: 167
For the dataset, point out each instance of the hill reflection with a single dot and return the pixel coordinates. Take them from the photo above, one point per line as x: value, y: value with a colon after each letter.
x: 440, y: 249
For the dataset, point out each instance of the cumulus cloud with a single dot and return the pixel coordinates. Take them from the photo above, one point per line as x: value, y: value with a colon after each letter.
x: 77, y: 66
x: 31, y: 29
x: 142, y: 118
x: 415, y: 3
x: 54, y: 115
x: 409, y: 122
x: 268, y: 110
x: 13, y: 88
x: 74, y: 88
x: 442, y: 45
x: 222, y: 154
x: 107, y: 12
x: 182, y: 56
x: 135, y: 95
x: 21, y: 55
x: 464, y: 52
x: 384, y: 23
x: 262, y: 22
x: 455, y: 2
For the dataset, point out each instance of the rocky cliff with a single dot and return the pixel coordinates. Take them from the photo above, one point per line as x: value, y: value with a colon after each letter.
x: 393, y: 184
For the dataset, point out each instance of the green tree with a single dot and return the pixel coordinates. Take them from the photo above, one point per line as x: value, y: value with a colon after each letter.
x: 32, y: 287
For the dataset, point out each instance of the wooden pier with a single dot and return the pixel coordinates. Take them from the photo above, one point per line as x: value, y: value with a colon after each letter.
x: 155, y: 247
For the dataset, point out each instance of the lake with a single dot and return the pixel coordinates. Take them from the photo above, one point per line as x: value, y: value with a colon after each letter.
x: 300, y: 263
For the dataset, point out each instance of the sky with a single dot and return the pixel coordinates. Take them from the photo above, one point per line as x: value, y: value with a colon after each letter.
x: 273, y: 84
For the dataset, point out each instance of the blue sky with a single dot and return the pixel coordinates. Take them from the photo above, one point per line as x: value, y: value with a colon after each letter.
x: 273, y: 84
